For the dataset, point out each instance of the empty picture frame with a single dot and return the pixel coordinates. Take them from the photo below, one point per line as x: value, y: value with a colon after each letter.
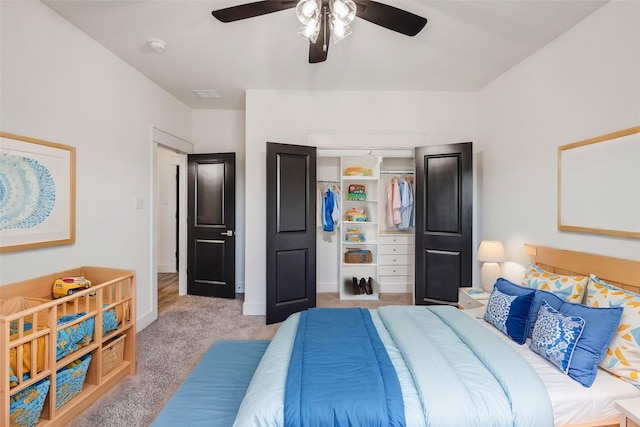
x: 37, y: 193
x: 599, y: 184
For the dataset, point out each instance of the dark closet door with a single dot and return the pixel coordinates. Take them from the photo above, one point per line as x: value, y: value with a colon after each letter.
x: 444, y: 215
x: 291, y: 233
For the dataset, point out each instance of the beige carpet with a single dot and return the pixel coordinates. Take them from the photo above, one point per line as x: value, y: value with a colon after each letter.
x: 170, y: 347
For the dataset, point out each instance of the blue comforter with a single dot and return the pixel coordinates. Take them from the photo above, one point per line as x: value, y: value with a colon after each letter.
x: 452, y: 372
x: 340, y: 373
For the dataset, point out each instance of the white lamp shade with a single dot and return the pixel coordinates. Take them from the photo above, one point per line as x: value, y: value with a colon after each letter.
x: 491, y: 251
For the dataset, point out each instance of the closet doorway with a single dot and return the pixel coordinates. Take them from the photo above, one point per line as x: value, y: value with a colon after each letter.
x: 443, y: 232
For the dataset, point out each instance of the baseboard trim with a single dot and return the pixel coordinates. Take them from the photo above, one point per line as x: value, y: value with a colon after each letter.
x: 254, y: 309
x: 145, y: 320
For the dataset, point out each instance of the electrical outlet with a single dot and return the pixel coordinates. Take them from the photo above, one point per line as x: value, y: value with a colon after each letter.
x: 139, y: 203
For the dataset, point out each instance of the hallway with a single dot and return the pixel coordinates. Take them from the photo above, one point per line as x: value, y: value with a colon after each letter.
x: 167, y: 290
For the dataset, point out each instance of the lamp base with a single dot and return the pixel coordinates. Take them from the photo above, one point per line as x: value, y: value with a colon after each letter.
x: 489, y: 273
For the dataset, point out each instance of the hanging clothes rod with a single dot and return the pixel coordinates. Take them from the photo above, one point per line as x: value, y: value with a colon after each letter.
x: 397, y: 172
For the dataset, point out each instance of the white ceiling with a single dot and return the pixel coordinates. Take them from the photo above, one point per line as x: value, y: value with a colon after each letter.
x: 465, y: 45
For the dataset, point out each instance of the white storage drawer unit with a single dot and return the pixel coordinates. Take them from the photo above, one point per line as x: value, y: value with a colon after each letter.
x: 396, y: 260
x: 396, y: 239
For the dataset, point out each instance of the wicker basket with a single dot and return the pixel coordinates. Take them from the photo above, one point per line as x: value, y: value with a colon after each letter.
x: 113, y: 355
x: 69, y: 381
x: 358, y: 256
x: 26, y: 405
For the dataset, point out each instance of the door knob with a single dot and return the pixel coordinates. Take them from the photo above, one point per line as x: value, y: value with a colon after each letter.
x: 227, y: 233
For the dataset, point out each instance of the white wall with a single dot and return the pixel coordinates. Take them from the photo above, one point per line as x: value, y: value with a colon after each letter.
x: 289, y: 116
x: 583, y: 84
x: 60, y: 85
x: 223, y: 131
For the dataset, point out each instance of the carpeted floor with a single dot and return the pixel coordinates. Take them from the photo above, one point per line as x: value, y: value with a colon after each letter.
x: 169, y: 348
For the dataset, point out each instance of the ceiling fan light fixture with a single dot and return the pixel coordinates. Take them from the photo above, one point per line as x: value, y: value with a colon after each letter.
x: 308, y: 11
x: 343, y: 10
x: 339, y: 30
x: 310, y: 31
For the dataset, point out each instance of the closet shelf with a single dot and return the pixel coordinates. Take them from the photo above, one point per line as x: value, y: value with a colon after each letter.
x: 366, y: 242
x: 359, y: 265
x: 359, y: 178
x: 360, y: 222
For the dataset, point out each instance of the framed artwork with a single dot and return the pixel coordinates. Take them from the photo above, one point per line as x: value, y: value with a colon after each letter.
x: 37, y: 193
x: 598, y: 184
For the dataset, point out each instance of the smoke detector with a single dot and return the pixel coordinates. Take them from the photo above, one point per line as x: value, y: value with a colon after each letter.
x: 157, y: 45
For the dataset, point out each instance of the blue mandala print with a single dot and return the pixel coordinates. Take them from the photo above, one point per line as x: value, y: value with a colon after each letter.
x: 27, y: 192
x: 498, y: 310
x: 556, y: 335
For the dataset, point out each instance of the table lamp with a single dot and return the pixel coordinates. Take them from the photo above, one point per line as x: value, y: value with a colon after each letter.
x: 490, y: 252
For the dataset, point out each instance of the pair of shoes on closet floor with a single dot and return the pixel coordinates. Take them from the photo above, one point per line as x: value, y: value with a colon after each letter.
x: 363, y: 286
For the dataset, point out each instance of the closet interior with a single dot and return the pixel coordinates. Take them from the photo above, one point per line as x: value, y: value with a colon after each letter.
x: 365, y: 223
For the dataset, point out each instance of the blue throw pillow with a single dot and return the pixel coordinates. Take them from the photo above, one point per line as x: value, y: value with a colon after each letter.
x: 552, y: 299
x: 555, y: 336
x: 508, y: 309
x: 601, y: 325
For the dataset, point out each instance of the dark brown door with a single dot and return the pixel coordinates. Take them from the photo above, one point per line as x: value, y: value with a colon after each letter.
x: 291, y: 233
x: 211, y: 225
x: 444, y: 217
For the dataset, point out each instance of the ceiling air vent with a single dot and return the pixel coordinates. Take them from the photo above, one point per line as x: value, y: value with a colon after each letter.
x: 208, y: 94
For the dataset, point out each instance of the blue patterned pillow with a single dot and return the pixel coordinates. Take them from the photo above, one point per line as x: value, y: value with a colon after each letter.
x: 555, y: 336
x: 508, y: 309
x: 552, y: 299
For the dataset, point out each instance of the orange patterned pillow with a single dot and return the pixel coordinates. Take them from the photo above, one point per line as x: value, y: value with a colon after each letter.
x: 623, y: 356
x: 569, y: 288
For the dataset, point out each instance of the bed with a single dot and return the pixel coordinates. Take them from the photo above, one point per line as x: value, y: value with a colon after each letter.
x: 452, y: 367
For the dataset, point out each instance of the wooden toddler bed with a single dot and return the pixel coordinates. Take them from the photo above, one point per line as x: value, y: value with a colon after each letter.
x: 421, y: 343
x: 43, y: 339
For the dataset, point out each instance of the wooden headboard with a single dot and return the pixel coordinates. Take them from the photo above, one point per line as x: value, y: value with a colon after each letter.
x: 616, y: 271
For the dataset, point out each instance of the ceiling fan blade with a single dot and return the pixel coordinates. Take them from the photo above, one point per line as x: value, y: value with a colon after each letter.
x: 318, y: 51
x: 250, y: 10
x: 390, y: 17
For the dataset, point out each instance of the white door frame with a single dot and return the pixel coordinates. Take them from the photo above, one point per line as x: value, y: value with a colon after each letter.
x: 182, y: 148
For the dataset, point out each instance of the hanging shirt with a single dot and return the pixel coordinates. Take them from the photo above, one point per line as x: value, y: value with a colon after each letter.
x: 335, y: 214
x: 406, y: 208
x: 390, y: 204
x: 327, y: 220
x: 397, y: 202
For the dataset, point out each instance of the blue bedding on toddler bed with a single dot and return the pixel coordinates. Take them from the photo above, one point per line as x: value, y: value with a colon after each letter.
x: 211, y: 394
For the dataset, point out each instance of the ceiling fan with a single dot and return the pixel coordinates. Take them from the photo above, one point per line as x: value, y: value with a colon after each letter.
x: 325, y: 19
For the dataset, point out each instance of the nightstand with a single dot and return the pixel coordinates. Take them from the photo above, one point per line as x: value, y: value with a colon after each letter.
x: 472, y: 297
x: 629, y: 412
